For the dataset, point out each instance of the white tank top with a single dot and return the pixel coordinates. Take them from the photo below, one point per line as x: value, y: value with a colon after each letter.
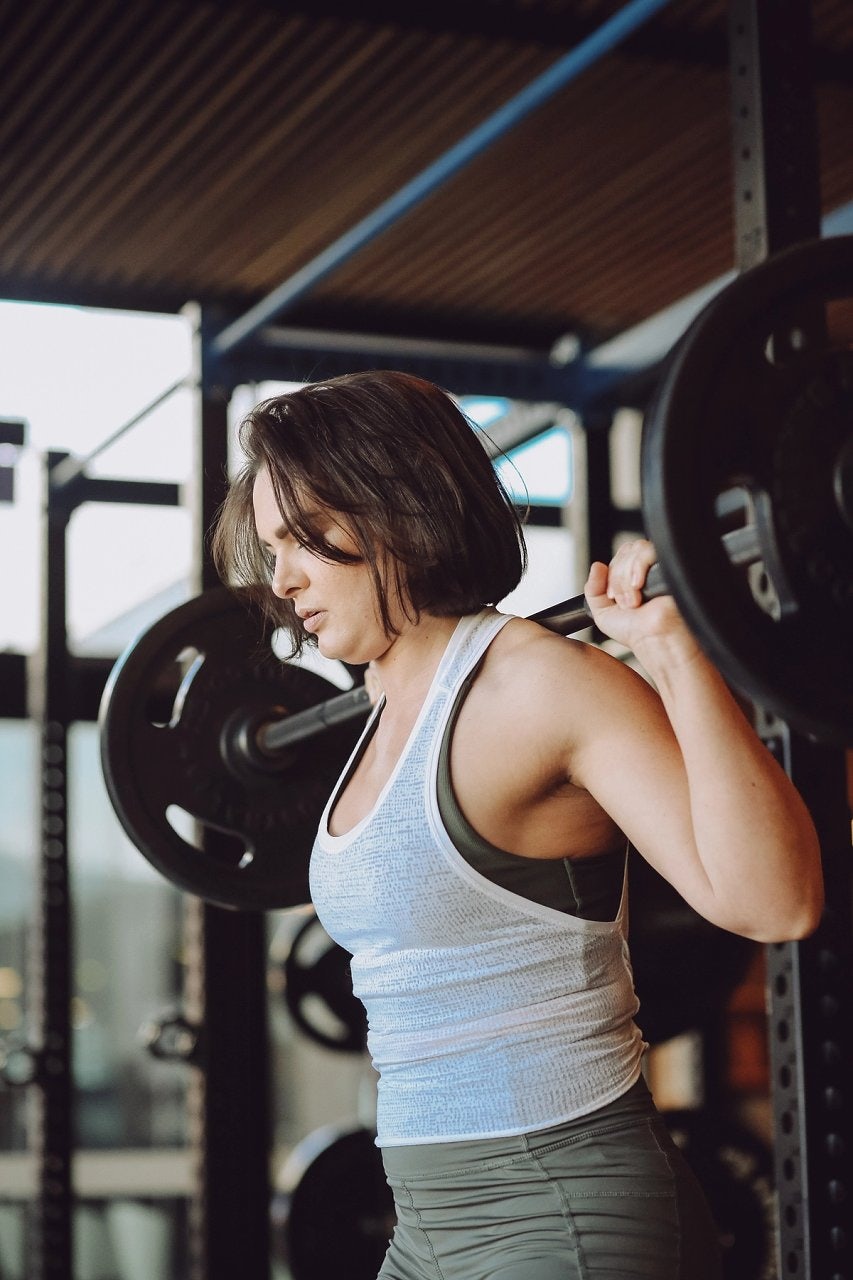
x: 488, y: 1014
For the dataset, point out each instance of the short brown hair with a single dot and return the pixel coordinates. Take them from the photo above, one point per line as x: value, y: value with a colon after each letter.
x: 396, y: 456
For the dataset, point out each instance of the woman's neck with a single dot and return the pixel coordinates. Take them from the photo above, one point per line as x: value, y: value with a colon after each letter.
x: 406, y: 669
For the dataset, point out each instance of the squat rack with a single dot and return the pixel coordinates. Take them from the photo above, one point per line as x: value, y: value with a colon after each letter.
x: 809, y: 999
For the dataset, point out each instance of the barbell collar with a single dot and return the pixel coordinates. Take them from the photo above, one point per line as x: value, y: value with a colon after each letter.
x: 270, y: 739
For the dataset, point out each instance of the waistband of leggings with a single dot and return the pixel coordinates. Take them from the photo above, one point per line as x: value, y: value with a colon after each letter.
x: 426, y: 1158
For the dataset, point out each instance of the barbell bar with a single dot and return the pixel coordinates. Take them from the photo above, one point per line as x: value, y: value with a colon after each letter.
x: 742, y: 547
x: 219, y: 758
x: 203, y: 726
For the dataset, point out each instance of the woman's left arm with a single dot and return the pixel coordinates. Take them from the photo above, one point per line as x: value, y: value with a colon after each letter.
x: 748, y: 855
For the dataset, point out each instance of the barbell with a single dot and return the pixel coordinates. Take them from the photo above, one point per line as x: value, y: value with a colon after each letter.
x: 269, y: 739
x: 202, y: 726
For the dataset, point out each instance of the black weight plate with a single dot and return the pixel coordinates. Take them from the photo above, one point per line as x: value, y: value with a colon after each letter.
x: 341, y: 1211
x: 734, y: 1168
x: 165, y: 719
x: 727, y: 416
x: 318, y: 991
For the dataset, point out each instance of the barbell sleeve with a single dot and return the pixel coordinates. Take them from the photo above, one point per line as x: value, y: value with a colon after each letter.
x: 275, y: 735
x: 742, y: 547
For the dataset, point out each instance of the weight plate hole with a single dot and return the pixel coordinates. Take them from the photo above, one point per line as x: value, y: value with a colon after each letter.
x: 222, y: 847
x: 315, y: 1010
x: 182, y: 823
x: 169, y: 687
x: 764, y: 592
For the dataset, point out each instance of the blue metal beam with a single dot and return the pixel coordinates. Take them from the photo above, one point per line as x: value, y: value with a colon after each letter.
x: 594, y: 380
x: 558, y: 75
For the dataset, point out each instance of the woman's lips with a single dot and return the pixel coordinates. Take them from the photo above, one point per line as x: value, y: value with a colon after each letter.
x: 310, y: 621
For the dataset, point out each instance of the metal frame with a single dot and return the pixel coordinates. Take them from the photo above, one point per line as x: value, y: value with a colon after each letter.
x: 44, y: 1064
x: 13, y: 434
x: 225, y: 996
x: 607, y: 37
x: 226, y: 961
x: 809, y: 982
x: 50, y: 1115
x: 810, y: 1003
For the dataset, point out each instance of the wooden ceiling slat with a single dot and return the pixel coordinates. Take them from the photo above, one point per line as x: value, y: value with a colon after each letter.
x: 257, y: 181
x: 167, y: 164
x: 19, y: 25
x: 72, y: 108
x: 209, y: 148
x: 507, y: 208
x: 402, y: 151
x: 41, y: 113
x: 29, y: 52
x: 95, y: 157
x: 311, y: 170
x: 200, y: 159
x: 539, y: 281
x: 452, y: 127
x: 106, y: 177
x: 238, y: 199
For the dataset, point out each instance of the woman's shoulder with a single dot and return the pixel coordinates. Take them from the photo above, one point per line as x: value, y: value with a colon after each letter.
x: 525, y: 649
x: 550, y: 671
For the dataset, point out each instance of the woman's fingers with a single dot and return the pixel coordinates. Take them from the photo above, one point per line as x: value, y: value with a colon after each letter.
x: 621, y: 581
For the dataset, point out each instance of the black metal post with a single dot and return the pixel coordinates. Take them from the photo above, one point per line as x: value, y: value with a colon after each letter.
x: 810, y: 994
x: 810, y: 1007
x: 600, y: 512
x: 225, y: 993
x: 50, y: 1116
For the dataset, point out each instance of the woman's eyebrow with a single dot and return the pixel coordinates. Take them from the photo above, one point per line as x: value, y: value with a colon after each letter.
x: 309, y: 515
x: 276, y: 534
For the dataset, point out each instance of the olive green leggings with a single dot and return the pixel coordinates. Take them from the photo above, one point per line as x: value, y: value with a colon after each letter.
x: 604, y: 1197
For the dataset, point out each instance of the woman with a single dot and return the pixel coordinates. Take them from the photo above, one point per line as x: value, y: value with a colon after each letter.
x: 472, y: 857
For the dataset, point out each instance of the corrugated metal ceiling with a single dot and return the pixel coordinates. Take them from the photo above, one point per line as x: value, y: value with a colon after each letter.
x: 158, y: 152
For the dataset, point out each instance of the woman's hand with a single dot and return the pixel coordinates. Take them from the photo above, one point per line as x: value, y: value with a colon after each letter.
x: 614, y: 596
x: 701, y: 797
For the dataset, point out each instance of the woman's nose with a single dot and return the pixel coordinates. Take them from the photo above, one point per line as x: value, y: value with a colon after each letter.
x: 287, y: 578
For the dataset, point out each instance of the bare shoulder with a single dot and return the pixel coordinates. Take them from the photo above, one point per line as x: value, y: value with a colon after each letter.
x: 563, y: 703
x: 538, y: 666
x: 541, y: 708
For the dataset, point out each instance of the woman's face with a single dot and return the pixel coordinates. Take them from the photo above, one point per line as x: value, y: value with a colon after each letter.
x: 336, y: 602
